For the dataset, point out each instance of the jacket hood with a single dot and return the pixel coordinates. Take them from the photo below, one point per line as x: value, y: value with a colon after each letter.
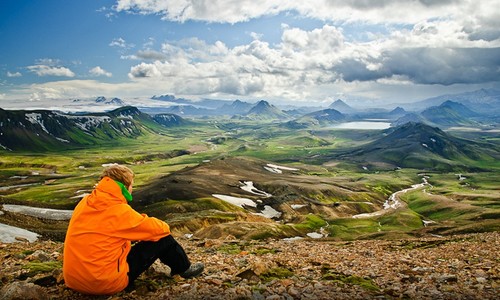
x: 107, y: 193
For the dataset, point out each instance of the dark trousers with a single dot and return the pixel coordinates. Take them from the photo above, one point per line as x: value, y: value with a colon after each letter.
x: 143, y: 255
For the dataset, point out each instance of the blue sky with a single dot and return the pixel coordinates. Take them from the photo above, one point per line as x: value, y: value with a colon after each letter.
x: 299, y: 52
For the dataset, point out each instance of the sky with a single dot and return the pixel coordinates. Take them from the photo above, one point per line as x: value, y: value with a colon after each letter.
x: 296, y: 52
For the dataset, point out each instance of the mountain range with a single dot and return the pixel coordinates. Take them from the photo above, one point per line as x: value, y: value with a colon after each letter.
x: 417, y: 145
x: 447, y: 114
x: 41, y: 130
x: 322, y: 117
x: 263, y: 110
x: 484, y: 101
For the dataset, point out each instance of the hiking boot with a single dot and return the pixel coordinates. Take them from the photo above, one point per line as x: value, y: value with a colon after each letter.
x: 193, y: 270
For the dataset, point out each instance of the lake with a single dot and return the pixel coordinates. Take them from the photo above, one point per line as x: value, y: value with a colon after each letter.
x: 363, y: 125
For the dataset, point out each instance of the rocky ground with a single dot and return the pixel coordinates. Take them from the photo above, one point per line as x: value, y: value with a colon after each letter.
x: 456, y: 267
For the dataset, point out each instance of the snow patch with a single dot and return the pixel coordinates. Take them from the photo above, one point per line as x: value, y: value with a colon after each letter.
x: 426, y: 222
x: 44, y: 213
x: 249, y: 187
x: 297, y: 206
x: 6, y: 188
x: 292, y: 239
x: 269, y: 212
x: 314, y: 235
x: 35, y: 118
x: 8, y: 234
x: 236, y: 200
x: 62, y: 140
x: 272, y: 170
x: 278, y: 169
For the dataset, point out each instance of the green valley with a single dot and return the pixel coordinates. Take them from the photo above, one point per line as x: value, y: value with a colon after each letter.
x: 311, y: 182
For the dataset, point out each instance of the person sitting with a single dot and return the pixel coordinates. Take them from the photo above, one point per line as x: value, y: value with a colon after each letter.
x: 99, y: 258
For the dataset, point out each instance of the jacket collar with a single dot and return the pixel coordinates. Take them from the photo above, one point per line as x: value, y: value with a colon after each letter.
x: 107, y: 193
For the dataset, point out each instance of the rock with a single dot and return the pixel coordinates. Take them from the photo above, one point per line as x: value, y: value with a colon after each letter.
x: 159, y: 267
x: 22, y: 291
x: 447, y: 278
x: 293, y: 292
x: 49, y: 280
x: 249, y: 275
x: 40, y: 256
x: 260, y: 267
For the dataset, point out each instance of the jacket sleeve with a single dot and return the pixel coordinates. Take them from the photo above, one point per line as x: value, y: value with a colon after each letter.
x: 139, y: 227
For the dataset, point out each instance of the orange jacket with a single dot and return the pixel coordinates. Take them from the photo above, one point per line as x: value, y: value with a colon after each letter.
x: 99, y: 238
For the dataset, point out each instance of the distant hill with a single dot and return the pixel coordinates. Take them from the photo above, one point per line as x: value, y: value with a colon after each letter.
x: 42, y: 130
x: 263, y: 110
x: 411, y: 117
x: 113, y: 101
x: 398, y: 112
x: 448, y: 114
x: 417, y: 145
x: 189, y: 110
x: 170, y: 120
x: 342, y: 107
x: 322, y: 117
x: 483, y: 101
x: 237, y: 107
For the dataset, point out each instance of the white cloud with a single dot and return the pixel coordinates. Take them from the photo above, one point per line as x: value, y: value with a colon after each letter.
x: 44, y: 70
x: 150, y: 55
x: 441, y: 43
x: 394, y: 11
x: 146, y: 54
x: 121, y: 43
x: 306, y: 62
x: 98, y: 71
x: 48, y: 62
x: 145, y: 70
x: 15, y: 74
x: 422, y: 43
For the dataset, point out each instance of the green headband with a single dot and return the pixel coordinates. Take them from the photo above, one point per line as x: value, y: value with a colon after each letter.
x: 125, y: 191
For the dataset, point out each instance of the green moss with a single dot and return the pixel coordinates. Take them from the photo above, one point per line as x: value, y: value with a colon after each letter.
x: 230, y: 248
x: 276, y: 273
x: 351, y: 280
x: 261, y: 235
x: 35, y: 267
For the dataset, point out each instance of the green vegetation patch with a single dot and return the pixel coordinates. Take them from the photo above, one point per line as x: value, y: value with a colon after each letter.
x: 350, y: 229
x: 311, y: 222
x: 35, y: 267
x: 230, y: 249
x: 263, y: 251
x: 276, y: 273
x: 401, y: 220
x: 439, y: 209
x: 367, y: 284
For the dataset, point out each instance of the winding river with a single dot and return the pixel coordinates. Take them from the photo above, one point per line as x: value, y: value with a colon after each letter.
x: 393, y: 202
